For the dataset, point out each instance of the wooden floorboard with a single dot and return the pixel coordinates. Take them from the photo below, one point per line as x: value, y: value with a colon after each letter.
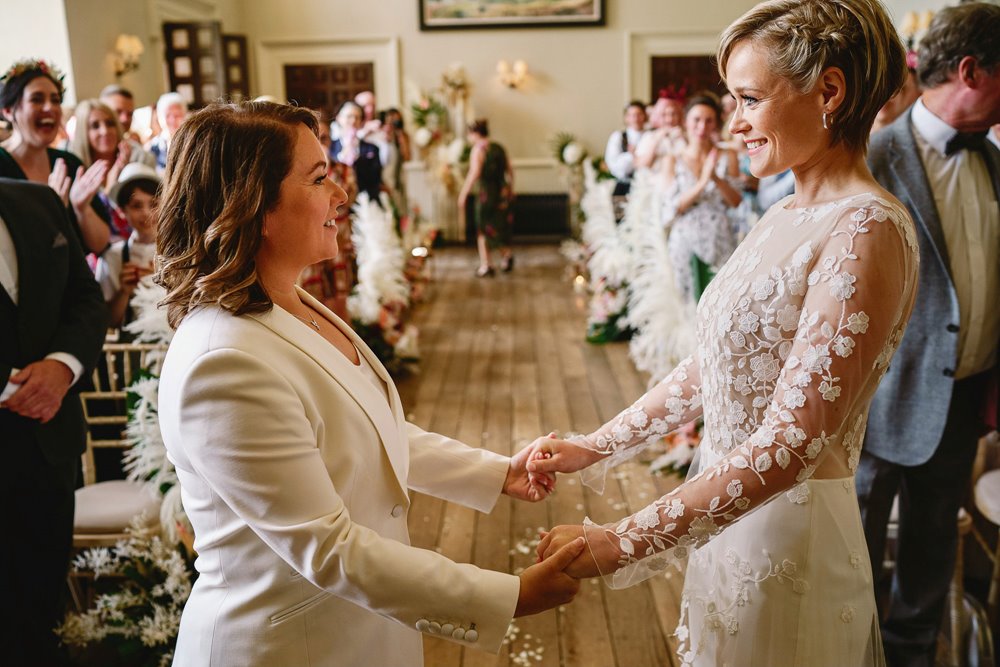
x: 503, y: 362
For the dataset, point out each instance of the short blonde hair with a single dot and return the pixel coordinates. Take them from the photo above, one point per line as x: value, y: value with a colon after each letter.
x: 804, y: 37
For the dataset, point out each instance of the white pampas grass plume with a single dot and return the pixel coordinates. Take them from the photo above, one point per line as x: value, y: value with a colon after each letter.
x: 381, y: 261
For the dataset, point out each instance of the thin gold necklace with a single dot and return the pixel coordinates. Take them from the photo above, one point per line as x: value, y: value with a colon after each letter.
x: 311, y: 321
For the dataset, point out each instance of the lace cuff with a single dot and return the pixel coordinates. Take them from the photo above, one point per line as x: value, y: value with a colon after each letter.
x: 607, y: 538
x: 675, y: 401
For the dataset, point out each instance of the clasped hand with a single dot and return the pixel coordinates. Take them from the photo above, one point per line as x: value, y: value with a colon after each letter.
x: 43, y: 386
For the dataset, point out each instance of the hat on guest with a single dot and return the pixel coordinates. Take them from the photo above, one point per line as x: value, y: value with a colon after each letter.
x: 133, y: 172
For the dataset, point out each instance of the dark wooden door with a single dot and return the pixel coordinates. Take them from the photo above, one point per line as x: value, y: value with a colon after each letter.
x: 193, y: 52
x: 326, y: 87
x: 236, y: 67
x: 690, y: 73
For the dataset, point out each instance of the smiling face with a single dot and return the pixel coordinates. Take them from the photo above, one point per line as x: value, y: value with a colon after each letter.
x: 349, y: 118
x: 123, y: 107
x: 140, y: 211
x: 635, y: 117
x: 701, y: 123
x: 782, y: 127
x: 102, y: 135
x: 37, y: 116
x: 300, y: 230
x: 673, y: 113
x: 173, y: 116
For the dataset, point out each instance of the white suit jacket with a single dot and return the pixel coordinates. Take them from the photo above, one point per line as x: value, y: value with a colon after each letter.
x: 294, y: 473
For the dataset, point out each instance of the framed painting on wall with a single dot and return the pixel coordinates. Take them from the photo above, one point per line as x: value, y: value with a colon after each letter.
x: 459, y: 14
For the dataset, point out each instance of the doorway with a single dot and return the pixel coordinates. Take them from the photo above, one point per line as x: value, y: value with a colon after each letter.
x: 325, y: 87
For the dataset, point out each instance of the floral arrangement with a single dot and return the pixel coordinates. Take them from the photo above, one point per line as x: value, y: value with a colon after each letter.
x: 607, y: 319
x: 143, y: 583
x: 680, y: 448
x: 29, y: 64
x: 380, y: 300
x: 609, y: 262
x: 418, y: 238
x: 430, y: 117
x: 455, y: 84
x: 570, y: 155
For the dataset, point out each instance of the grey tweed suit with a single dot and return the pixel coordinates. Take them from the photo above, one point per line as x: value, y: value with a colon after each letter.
x: 923, y: 425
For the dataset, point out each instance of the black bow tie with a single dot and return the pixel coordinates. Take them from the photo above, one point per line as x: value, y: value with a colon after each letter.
x: 972, y: 141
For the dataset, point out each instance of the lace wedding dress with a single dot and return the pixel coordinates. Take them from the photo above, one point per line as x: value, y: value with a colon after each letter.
x: 794, y: 335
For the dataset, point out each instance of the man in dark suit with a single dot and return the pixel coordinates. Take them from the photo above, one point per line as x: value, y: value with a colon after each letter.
x: 930, y: 409
x: 52, y: 325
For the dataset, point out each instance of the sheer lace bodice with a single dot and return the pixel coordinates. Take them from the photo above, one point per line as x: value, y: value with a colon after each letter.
x: 794, y: 334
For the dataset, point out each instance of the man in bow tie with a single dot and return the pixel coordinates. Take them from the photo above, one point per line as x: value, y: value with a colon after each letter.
x: 934, y: 403
x: 52, y: 325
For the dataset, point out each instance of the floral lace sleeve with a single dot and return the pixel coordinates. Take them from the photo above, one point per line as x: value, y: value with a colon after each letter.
x: 857, y: 300
x: 675, y: 401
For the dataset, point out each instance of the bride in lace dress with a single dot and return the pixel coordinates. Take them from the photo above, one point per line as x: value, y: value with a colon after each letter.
x: 794, y: 335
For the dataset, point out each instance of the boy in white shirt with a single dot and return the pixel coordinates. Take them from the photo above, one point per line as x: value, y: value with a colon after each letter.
x: 125, y: 263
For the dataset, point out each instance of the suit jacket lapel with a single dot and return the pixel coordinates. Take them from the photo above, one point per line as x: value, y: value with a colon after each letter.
x: 908, y: 169
x: 30, y: 242
x: 348, y: 376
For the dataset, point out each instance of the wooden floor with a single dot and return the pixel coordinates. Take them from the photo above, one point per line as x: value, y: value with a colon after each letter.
x: 504, y: 361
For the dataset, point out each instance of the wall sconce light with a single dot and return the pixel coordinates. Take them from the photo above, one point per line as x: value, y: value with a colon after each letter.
x: 128, y: 48
x: 512, y: 76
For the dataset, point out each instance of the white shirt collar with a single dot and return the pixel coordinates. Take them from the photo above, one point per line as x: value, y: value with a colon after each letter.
x: 932, y: 129
x: 8, y: 264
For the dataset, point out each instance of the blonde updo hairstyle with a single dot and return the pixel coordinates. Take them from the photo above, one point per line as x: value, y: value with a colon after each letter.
x: 805, y: 37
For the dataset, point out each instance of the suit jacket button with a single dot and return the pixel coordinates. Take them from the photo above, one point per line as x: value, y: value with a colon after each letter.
x: 953, y: 328
x: 447, y: 629
x: 422, y: 625
x: 471, y: 636
x: 949, y: 372
x: 459, y: 633
x: 435, y: 628
x: 397, y: 511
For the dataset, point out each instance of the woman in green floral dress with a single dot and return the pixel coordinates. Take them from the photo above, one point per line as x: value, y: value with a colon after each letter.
x: 491, y: 176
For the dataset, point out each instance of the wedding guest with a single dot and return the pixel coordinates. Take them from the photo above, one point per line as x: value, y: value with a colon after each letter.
x: 362, y: 156
x: 619, y: 154
x: 128, y: 261
x: 371, y: 124
x: 902, y: 100
x: 288, y: 435
x: 52, y: 326
x: 933, y: 405
x: 330, y: 281
x: 794, y: 335
x: 397, y: 148
x: 122, y: 102
x: 701, y: 186
x: 490, y: 181
x: 31, y: 94
x: 666, y: 134
x: 171, y: 110
x: 99, y: 136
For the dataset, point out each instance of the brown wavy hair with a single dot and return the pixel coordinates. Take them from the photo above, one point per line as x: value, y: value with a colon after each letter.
x: 224, y: 173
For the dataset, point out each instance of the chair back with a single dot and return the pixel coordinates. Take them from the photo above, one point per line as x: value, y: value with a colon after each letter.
x: 105, y: 408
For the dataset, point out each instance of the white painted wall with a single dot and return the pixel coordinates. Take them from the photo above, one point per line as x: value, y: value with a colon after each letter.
x: 37, y: 29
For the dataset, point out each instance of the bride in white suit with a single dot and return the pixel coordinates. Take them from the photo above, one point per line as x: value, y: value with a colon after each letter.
x: 288, y: 435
